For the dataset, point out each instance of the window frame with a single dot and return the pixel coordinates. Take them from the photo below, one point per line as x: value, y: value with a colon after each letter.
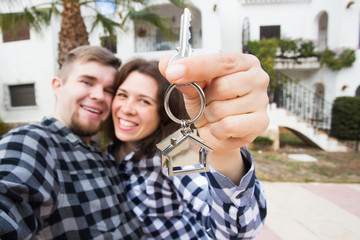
x: 22, y: 33
x: 8, y: 96
x: 262, y: 28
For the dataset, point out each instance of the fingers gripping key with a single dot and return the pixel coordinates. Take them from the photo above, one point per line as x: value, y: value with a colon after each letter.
x: 183, y: 151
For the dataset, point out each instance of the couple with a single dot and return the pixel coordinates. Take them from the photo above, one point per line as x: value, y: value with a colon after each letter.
x: 55, y: 184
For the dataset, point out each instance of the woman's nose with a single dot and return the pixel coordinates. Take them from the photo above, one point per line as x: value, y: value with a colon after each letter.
x: 128, y: 107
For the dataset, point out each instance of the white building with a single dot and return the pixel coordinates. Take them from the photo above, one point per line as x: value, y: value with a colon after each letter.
x: 27, y: 66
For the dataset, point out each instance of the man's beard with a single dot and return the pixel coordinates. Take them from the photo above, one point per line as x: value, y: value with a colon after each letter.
x: 83, y: 130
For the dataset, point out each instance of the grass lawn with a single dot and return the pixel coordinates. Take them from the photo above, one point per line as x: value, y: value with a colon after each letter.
x: 334, y: 167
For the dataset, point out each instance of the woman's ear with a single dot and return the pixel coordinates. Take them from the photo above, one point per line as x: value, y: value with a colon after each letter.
x: 56, y: 84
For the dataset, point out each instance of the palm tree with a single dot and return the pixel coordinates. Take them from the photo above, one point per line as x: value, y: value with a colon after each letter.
x: 73, y: 31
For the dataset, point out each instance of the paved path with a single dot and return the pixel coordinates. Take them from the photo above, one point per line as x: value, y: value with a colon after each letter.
x: 312, y: 211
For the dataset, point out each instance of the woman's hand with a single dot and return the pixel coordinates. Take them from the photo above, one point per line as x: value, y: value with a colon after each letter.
x: 235, y: 87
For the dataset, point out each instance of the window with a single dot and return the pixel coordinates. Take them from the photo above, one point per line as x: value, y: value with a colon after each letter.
x: 270, y: 32
x: 323, y: 26
x: 109, y: 43
x: 357, y: 93
x: 245, y: 34
x: 148, y: 38
x: 22, y: 95
x: 22, y: 32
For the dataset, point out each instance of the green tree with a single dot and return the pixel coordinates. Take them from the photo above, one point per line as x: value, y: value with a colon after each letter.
x: 73, y: 31
x: 266, y: 51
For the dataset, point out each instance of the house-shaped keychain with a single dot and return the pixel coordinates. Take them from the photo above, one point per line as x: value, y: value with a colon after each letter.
x: 184, y: 153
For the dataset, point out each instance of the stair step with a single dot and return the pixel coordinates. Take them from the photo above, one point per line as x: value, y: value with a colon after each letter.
x: 282, y: 118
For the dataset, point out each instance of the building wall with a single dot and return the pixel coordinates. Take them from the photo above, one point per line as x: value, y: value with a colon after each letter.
x: 299, y: 19
x: 34, y: 60
x: 28, y: 61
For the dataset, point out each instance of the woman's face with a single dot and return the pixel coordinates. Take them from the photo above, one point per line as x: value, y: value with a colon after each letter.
x: 134, y: 108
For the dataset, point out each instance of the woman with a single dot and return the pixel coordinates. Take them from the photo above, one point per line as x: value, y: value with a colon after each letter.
x: 185, y: 206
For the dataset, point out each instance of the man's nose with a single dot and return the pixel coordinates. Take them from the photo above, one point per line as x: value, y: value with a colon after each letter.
x: 97, y: 92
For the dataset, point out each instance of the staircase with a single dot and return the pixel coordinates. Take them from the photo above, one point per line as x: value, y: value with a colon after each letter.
x: 280, y: 117
x: 304, y: 112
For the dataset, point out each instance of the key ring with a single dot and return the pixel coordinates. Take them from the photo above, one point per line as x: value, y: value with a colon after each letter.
x: 167, y: 108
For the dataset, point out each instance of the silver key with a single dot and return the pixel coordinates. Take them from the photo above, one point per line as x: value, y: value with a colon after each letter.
x: 183, y: 151
x: 184, y: 50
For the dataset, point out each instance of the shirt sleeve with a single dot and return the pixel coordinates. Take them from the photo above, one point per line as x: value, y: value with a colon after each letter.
x: 24, y: 184
x: 236, y: 210
x: 194, y: 206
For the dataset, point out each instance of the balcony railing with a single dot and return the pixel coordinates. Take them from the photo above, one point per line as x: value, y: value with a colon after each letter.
x: 299, y: 64
x: 151, y: 43
x: 305, y: 104
x: 271, y: 1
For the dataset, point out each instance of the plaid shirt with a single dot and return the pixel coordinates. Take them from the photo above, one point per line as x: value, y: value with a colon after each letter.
x: 54, y: 186
x: 194, y: 206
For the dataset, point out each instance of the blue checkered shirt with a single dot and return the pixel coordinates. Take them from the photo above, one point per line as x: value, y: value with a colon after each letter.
x: 194, y: 206
x: 54, y: 186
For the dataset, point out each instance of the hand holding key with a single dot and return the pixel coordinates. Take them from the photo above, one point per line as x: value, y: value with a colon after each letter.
x: 183, y: 152
x: 235, y: 87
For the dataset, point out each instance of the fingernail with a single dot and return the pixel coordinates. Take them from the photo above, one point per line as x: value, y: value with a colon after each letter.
x: 174, y: 72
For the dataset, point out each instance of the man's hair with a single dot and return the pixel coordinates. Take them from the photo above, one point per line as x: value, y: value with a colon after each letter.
x: 85, y: 54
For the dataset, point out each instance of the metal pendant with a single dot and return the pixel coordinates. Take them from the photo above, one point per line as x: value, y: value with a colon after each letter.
x: 184, y: 152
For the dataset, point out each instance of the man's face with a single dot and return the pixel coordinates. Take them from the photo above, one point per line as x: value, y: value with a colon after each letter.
x: 84, y: 99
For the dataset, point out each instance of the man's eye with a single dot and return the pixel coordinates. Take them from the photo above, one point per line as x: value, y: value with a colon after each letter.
x: 109, y: 91
x: 86, y: 82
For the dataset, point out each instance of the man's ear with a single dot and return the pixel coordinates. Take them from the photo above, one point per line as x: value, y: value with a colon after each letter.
x: 56, y: 84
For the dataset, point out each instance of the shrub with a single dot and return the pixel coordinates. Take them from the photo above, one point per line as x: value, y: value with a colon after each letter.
x: 338, y: 60
x: 3, y: 127
x: 262, y: 142
x: 345, y: 122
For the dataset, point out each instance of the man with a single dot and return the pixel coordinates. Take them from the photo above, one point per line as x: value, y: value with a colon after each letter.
x: 54, y: 184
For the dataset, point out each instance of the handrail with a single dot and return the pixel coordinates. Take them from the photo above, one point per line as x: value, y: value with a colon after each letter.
x: 306, y: 104
x: 157, y: 42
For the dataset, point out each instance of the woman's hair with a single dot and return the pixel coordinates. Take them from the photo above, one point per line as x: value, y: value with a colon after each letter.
x: 147, y: 146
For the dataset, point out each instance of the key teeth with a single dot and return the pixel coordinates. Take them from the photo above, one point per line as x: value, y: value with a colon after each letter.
x: 188, y: 24
x: 184, y: 51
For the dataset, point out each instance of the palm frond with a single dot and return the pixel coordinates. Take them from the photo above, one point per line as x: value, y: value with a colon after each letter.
x: 86, y: 3
x: 130, y: 2
x: 107, y: 24
x: 37, y: 18
x: 54, y: 9
x: 7, y: 20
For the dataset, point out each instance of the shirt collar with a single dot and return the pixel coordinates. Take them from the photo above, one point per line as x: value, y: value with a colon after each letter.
x: 59, y: 128
x: 111, y: 150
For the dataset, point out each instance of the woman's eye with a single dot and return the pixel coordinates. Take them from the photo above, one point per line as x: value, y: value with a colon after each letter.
x: 145, y: 102
x: 122, y: 95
